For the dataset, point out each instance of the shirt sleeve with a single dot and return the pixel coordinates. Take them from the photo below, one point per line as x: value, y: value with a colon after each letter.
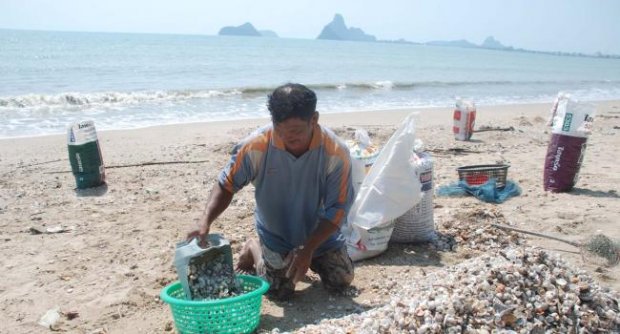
x: 240, y: 169
x: 339, y: 194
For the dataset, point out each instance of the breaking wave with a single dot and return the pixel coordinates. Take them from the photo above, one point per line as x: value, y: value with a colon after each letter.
x: 113, y: 98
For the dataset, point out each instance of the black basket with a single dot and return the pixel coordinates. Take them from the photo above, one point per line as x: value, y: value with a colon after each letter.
x: 476, y: 175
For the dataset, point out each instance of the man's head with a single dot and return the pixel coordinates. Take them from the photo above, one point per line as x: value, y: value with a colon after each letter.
x: 293, y: 113
x: 291, y: 101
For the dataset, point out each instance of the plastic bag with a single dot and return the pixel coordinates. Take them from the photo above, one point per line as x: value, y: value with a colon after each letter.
x: 388, y: 191
x: 464, y: 119
x: 362, y: 137
x: 487, y: 192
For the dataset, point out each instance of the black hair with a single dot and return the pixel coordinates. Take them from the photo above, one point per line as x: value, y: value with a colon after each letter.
x: 291, y: 101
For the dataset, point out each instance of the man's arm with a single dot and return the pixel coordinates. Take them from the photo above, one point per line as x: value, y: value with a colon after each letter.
x: 302, y: 257
x: 218, y: 201
x: 236, y: 174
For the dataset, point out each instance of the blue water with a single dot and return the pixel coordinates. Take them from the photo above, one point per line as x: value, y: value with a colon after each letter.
x: 51, y: 79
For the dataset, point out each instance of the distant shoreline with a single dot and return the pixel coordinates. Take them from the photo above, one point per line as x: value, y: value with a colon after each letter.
x: 553, y: 53
x: 510, y: 49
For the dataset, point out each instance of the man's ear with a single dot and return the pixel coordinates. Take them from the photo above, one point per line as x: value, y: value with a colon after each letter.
x: 315, y: 118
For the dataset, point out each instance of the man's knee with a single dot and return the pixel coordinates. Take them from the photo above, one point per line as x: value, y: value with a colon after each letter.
x: 338, y: 280
x: 335, y: 268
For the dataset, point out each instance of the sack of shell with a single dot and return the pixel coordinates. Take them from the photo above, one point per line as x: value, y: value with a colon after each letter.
x: 85, y: 155
x: 363, y: 156
x: 570, y: 128
x: 206, y: 273
x: 390, y: 189
x: 417, y: 224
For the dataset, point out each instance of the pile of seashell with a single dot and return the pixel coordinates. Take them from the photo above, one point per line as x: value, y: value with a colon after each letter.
x: 473, y: 237
x: 471, y: 231
x: 515, y: 290
x: 213, y: 279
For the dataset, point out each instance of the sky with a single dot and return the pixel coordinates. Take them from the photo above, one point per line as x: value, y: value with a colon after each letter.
x: 586, y: 26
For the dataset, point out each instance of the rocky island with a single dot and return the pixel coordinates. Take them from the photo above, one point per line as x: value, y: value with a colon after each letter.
x: 337, y: 30
x: 246, y: 29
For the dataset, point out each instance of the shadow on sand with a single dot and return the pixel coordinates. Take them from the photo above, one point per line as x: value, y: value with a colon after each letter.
x: 594, y: 193
x: 310, y: 305
x: 92, y: 192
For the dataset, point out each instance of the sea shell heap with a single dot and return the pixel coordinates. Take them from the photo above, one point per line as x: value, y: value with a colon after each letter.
x: 213, y: 279
x: 515, y: 290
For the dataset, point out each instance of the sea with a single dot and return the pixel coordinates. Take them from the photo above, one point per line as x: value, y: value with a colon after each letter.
x: 48, y: 80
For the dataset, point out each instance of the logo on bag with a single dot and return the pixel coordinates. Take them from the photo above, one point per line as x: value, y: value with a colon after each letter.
x: 78, y: 158
x: 556, y: 160
x: 426, y: 179
x: 568, y: 119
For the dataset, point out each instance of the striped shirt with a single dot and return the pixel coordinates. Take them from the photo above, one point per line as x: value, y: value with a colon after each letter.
x: 293, y: 193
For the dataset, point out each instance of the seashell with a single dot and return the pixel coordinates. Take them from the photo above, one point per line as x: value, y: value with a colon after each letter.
x: 550, y: 319
x: 548, y: 285
x: 509, y: 319
x: 449, y: 321
x: 540, y: 307
x: 551, y: 297
x: 566, y: 310
x: 585, y: 297
x: 419, y: 313
x: 367, y: 322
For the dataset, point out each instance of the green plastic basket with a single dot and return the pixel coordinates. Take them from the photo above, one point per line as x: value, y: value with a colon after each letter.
x: 238, y: 314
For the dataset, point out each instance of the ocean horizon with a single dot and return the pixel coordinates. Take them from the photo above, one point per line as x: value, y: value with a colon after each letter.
x: 49, y: 80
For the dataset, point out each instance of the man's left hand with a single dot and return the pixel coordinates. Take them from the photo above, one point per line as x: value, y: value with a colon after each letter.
x: 302, y: 257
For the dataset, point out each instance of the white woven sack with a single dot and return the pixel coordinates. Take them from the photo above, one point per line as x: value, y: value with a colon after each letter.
x: 389, y: 190
x: 417, y: 224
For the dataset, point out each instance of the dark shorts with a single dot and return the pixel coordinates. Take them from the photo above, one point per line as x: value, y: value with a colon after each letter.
x: 334, y: 267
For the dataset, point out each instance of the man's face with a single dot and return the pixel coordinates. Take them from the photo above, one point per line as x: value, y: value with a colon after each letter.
x: 296, y: 134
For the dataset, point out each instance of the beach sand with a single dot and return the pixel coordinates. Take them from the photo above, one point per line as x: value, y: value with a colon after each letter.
x: 111, y: 264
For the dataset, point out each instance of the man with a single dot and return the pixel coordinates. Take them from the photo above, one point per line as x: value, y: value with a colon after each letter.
x: 301, y: 172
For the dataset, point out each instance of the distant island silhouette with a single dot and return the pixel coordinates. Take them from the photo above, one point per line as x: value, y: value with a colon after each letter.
x: 246, y: 29
x: 268, y: 33
x: 338, y: 30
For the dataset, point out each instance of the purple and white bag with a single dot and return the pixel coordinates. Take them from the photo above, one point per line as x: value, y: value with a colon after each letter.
x: 570, y: 127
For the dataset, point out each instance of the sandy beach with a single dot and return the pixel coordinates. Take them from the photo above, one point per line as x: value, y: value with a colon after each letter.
x: 106, y: 270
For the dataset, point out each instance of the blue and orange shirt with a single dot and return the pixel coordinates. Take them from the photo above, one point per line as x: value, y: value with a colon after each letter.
x: 293, y: 193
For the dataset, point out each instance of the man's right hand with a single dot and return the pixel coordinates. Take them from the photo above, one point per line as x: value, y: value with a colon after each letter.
x: 219, y: 199
x: 201, y: 231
